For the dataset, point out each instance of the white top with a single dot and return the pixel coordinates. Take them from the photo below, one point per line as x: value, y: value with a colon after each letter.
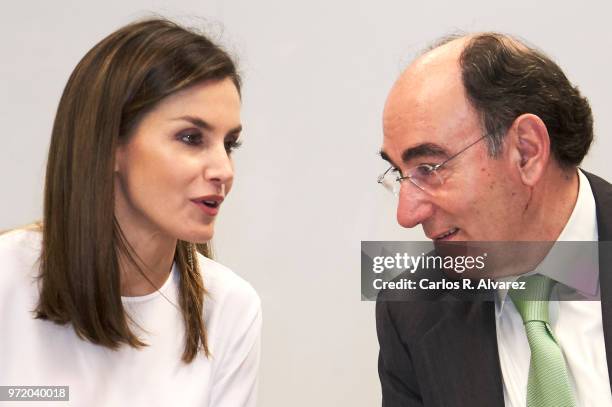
x: 37, y: 352
x: 577, y: 325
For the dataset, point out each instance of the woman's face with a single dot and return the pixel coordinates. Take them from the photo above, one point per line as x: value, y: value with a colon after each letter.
x: 176, y: 168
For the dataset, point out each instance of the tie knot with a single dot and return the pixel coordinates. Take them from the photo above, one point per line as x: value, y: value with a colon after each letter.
x: 532, y: 301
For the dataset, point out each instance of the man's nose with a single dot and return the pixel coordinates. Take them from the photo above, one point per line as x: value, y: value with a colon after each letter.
x: 413, y: 206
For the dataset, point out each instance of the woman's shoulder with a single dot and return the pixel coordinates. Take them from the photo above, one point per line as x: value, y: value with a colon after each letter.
x: 226, y: 287
x: 232, y: 312
x: 21, y: 244
x: 19, y: 259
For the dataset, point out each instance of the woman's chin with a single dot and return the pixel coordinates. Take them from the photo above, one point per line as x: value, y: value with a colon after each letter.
x: 199, y: 236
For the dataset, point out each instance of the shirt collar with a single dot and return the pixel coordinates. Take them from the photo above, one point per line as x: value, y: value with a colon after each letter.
x: 581, y: 226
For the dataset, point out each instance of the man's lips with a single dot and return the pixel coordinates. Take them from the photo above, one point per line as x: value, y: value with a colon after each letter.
x: 209, y: 204
x: 444, y: 235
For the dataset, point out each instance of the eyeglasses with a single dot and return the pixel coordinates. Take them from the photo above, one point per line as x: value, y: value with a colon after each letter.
x: 424, y: 176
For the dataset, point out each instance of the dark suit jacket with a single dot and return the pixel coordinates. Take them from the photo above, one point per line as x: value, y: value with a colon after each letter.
x: 440, y: 353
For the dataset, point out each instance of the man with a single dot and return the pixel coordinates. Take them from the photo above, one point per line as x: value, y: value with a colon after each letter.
x: 484, y: 136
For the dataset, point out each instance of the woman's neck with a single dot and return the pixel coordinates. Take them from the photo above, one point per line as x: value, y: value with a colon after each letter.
x: 153, y: 253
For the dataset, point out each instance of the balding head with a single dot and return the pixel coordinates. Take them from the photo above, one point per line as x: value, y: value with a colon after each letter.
x: 502, y: 78
x: 482, y: 87
x: 433, y: 78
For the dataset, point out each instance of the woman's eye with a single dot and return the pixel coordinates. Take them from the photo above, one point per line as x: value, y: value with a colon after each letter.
x: 192, y: 139
x: 231, y: 145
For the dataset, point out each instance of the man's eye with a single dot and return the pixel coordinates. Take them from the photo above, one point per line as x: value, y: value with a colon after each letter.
x: 424, y: 170
x: 192, y: 139
x: 231, y: 145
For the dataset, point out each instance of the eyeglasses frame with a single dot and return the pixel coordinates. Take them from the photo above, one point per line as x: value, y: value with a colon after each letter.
x: 433, y: 168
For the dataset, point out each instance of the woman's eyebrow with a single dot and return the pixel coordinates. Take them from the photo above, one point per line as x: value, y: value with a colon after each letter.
x: 235, y: 130
x: 196, y: 121
x: 203, y: 124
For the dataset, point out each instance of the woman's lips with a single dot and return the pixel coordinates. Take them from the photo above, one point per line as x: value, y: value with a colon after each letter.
x: 209, y: 204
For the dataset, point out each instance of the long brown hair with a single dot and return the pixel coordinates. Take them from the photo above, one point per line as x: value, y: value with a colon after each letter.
x: 119, y: 80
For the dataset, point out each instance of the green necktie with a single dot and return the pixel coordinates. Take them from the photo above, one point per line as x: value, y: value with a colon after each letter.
x: 549, y: 383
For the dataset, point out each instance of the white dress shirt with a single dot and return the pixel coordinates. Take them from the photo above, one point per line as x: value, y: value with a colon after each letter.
x: 37, y: 352
x: 577, y: 325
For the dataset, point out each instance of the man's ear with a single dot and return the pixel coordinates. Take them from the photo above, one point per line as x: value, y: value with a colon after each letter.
x: 532, y: 147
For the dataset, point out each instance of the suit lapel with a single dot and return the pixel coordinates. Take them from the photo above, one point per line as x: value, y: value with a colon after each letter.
x: 605, y: 263
x: 459, y: 354
x: 602, y: 192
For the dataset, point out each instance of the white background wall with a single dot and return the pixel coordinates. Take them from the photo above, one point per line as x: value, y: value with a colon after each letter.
x: 316, y: 74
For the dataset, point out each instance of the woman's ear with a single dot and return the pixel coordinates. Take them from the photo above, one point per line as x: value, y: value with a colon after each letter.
x: 118, y: 158
x: 532, y: 147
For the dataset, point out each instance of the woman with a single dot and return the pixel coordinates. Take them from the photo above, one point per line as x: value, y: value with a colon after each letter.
x: 109, y: 295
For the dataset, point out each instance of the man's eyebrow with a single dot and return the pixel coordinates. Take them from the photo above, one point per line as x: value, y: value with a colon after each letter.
x: 386, y: 157
x: 198, y: 122
x: 422, y: 150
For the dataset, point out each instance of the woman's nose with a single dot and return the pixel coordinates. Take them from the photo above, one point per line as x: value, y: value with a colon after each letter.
x: 219, y: 167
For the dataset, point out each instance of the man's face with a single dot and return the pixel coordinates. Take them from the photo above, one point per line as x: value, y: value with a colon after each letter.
x: 427, y: 119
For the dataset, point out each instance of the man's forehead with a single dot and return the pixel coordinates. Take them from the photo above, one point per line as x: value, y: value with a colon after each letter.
x: 427, y: 108
x: 439, y: 65
x: 432, y: 113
